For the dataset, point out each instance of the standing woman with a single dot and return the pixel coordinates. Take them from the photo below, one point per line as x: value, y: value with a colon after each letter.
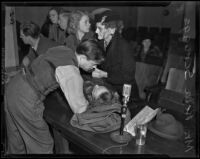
x: 51, y: 29
x: 78, y: 29
x: 119, y: 65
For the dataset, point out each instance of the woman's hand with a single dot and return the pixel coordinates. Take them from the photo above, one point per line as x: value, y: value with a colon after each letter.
x: 97, y: 73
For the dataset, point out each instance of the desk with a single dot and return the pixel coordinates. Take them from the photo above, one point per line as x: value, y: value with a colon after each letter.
x: 57, y: 113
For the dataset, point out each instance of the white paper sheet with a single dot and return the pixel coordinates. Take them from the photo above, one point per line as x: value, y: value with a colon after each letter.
x: 143, y: 117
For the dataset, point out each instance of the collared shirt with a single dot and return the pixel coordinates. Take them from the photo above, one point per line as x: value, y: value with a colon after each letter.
x: 71, y: 84
x: 36, y: 45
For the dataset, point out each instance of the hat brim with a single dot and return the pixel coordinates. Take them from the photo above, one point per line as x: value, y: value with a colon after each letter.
x: 167, y: 136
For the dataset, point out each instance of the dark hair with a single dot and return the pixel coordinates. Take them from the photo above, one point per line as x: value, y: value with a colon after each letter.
x: 57, y: 9
x: 88, y: 87
x: 105, y: 97
x: 30, y: 28
x: 112, y: 20
x: 118, y: 24
x: 91, y: 50
x: 48, y: 22
x: 64, y: 11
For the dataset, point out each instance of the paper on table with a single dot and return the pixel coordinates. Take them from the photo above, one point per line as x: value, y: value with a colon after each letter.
x: 143, y: 117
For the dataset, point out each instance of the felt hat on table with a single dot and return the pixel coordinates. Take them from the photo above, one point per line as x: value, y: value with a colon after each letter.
x: 167, y: 126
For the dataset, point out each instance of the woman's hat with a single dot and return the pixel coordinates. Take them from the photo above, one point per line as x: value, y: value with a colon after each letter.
x: 98, y: 11
x: 167, y: 126
x: 109, y: 16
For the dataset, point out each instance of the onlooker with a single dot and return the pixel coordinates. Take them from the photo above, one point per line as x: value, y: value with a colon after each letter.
x: 93, y: 14
x: 51, y: 29
x: 78, y: 29
x: 27, y: 131
x: 119, y: 65
x: 147, y: 51
x: 30, y: 34
x: 63, y: 23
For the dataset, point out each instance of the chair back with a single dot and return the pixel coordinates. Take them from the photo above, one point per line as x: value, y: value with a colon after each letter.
x: 176, y: 80
x: 146, y: 75
x: 172, y: 97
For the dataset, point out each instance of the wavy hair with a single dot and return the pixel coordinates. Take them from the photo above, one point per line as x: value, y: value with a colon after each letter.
x: 74, y: 20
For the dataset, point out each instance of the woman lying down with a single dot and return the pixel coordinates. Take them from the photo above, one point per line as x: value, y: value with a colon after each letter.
x: 103, y: 113
x: 99, y: 94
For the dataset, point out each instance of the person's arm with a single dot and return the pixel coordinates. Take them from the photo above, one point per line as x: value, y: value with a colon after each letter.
x: 71, y: 83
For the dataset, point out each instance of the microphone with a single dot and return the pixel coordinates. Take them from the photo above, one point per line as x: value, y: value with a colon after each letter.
x: 120, y: 136
x: 126, y: 95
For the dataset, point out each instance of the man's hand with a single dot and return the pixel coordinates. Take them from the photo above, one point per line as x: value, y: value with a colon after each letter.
x: 97, y: 73
x: 26, y: 61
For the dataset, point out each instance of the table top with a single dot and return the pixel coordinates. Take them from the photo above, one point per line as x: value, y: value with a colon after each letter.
x: 58, y: 114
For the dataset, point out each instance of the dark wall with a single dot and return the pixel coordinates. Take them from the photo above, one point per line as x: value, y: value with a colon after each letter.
x: 38, y: 14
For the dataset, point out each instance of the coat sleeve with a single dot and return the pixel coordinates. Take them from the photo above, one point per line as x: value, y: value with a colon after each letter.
x: 124, y: 70
x: 31, y: 54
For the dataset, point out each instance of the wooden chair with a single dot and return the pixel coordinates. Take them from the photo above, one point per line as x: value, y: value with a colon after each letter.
x: 146, y: 75
x: 172, y: 96
x: 153, y: 91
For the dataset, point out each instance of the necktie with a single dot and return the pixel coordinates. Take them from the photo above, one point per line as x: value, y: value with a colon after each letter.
x: 105, y: 45
x: 35, y: 53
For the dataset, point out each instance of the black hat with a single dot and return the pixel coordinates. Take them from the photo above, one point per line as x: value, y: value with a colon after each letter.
x: 110, y: 16
x: 167, y: 126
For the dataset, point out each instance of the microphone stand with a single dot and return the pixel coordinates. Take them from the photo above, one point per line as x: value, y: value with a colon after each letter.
x: 123, y: 115
x: 122, y: 136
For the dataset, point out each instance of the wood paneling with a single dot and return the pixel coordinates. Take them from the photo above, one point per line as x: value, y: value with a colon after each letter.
x: 11, y: 53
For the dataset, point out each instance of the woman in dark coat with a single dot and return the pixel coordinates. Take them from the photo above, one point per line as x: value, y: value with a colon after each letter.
x: 119, y: 65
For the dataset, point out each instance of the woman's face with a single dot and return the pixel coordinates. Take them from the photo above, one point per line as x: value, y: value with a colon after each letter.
x: 146, y: 43
x: 53, y: 16
x: 102, y: 32
x: 63, y: 22
x: 84, y: 24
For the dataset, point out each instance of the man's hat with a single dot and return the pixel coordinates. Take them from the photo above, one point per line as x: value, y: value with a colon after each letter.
x: 110, y: 16
x: 167, y: 126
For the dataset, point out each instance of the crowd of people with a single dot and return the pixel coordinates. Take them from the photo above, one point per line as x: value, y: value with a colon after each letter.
x: 67, y: 42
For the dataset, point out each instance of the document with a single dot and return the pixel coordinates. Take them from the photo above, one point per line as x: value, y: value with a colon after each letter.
x: 143, y: 117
